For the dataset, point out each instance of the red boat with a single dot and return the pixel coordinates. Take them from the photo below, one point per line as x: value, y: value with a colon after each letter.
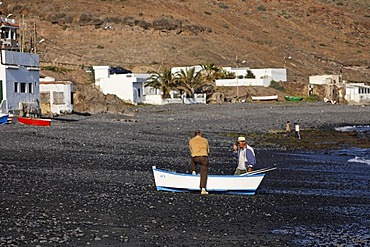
x: 35, y: 121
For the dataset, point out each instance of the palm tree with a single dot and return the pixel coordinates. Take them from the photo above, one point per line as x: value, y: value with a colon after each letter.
x: 189, y: 81
x: 162, y: 80
x: 210, y: 74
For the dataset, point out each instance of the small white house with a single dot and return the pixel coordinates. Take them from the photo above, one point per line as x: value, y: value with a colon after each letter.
x: 128, y: 86
x: 56, y: 96
x: 19, y: 81
x: 357, y: 93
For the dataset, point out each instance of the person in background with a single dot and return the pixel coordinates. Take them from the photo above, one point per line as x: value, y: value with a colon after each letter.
x: 245, y: 155
x: 199, y: 150
x: 287, y: 129
x: 296, y: 131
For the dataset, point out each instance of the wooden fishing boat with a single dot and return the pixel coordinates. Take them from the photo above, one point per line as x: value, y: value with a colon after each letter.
x: 35, y: 121
x: 263, y: 98
x: 293, y: 98
x: 4, y: 118
x: 245, y: 184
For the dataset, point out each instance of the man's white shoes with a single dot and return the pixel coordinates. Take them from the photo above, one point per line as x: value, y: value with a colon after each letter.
x: 203, y: 192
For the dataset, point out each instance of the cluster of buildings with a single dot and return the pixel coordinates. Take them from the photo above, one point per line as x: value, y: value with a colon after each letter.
x: 22, y: 91
x: 130, y: 87
x: 334, y: 89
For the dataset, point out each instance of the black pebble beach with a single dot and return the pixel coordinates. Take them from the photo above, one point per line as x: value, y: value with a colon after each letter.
x: 87, y: 181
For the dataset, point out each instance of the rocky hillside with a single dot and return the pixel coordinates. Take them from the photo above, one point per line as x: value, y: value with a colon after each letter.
x: 309, y: 36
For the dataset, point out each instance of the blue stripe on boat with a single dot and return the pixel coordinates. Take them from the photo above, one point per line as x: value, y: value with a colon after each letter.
x: 237, y: 192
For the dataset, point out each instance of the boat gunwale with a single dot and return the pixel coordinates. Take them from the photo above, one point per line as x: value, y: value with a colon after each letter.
x: 209, y: 175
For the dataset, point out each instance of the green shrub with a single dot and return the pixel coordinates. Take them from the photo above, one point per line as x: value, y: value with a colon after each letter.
x: 312, y: 98
x: 261, y: 8
x: 56, y: 69
x: 223, y: 5
x: 250, y: 75
x: 277, y: 86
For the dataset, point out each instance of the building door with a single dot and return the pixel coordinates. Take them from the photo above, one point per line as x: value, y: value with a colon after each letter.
x: 1, y: 91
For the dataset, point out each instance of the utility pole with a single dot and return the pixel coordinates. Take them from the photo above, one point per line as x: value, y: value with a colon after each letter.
x: 23, y: 40
x: 34, y: 38
x: 237, y: 75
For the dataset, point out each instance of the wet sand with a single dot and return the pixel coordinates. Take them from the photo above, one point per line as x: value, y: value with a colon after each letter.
x: 89, y: 181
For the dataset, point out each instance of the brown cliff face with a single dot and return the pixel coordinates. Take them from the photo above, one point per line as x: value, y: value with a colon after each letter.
x: 308, y: 37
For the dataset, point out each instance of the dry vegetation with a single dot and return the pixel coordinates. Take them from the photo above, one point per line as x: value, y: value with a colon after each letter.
x: 319, y: 36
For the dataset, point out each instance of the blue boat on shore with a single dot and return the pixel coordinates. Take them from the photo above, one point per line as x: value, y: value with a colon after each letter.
x: 4, y: 118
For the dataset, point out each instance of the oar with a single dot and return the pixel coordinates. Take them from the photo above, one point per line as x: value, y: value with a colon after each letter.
x: 259, y: 171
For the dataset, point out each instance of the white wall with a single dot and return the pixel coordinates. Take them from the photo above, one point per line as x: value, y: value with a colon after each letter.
x: 100, y: 72
x: 118, y: 85
x: 243, y: 82
x: 157, y: 100
x: 323, y: 79
x: 174, y: 70
x: 275, y: 74
x: 66, y: 88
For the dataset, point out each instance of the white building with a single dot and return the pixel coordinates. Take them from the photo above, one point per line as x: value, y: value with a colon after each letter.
x: 19, y: 73
x: 9, y: 35
x: 128, y: 87
x: 357, y: 93
x: 324, y: 79
x: 19, y: 81
x: 55, y: 96
x: 263, y: 77
x: 175, y: 70
x: 275, y: 74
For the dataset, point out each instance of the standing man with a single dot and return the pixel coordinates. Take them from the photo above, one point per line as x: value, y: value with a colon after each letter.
x: 287, y: 129
x: 296, y: 131
x: 199, y: 150
x: 245, y: 155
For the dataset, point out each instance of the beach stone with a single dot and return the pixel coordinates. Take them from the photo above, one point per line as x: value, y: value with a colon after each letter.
x: 89, y: 182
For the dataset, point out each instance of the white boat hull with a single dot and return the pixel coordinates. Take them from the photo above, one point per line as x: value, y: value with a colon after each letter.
x: 181, y: 182
x: 271, y: 97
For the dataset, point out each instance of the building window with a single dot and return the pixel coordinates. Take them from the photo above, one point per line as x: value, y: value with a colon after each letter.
x: 16, y: 89
x: 58, y: 98
x: 138, y: 92
x: 23, y: 87
x: 30, y: 88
